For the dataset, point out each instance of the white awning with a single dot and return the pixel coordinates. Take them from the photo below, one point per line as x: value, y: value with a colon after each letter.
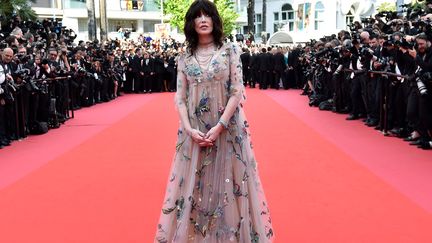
x: 280, y: 38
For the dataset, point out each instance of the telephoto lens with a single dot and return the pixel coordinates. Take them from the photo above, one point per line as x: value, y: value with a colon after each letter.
x: 421, y: 87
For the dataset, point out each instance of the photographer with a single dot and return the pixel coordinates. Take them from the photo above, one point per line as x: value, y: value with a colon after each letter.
x: 59, y: 91
x: 423, y: 89
x: 3, y: 118
x: 371, y: 95
x: 7, y: 100
x: 340, y: 80
x: 358, y: 78
x: 22, y: 77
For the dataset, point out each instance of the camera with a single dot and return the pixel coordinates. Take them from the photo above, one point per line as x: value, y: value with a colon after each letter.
x: 420, y: 79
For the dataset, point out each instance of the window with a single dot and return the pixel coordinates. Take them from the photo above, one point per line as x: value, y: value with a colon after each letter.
x: 75, y: 4
x: 258, y: 24
x: 277, y: 27
x: 149, y: 26
x: 114, y: 25
x: 43, y: 4
x: 291, y: 26
x: 151, y: 6
x: 319, y: 15
x: 276, y: 16
x: 257, y: 17
x: 245, y: 29
x: 286, y: 18
x: 83, y: 25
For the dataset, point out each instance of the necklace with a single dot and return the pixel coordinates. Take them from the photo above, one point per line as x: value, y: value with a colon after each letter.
x: 204, y: 55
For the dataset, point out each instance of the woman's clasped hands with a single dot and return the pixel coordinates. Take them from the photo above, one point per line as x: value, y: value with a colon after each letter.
x: 206, y: 139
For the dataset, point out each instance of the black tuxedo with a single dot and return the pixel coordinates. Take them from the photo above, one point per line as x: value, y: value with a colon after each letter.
x: 135, y: 66
x: 129, y: 75
x: 279, y: 68
x: 293, y: 61
x: 158, y: 77
x: 172, y: 73
x: 265, y: 68
x: 254, y: 69
x: 245, y: 59
x: 148, y: 72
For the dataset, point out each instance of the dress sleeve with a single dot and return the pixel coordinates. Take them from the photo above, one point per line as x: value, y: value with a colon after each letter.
x: 235, y: 83
x: 182, y: 84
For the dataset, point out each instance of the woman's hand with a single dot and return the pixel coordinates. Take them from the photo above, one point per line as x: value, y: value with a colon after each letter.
x: 199, y: 138
x: 214, y: 132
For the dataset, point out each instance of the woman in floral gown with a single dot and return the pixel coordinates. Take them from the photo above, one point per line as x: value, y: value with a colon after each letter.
x: 214, y: 194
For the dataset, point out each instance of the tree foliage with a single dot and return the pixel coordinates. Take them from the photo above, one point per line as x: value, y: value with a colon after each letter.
x: 21, y: 8
x: 387, y: 7
x: 228, y: 15
x: 176, y: 11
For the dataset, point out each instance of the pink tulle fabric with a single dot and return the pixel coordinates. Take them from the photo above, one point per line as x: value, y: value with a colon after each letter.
x: 214, y: 194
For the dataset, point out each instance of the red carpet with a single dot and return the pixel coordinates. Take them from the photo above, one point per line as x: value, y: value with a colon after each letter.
x: 405, y: 167
x: 108, y: 186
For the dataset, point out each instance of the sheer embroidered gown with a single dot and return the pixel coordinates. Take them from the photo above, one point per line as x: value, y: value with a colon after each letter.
x: 214, y: 194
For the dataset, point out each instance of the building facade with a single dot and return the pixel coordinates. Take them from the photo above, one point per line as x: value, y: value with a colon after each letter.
x: 139, y: 16
x: 309, y: 19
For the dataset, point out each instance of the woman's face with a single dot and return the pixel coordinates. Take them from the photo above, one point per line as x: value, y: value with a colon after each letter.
x: 203, y: 24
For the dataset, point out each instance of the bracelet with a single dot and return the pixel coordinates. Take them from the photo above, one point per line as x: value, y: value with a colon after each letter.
x: 223, y: 124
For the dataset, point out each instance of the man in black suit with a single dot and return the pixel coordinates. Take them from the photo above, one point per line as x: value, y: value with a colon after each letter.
x: 129, y: 74
x: 136, y: 70
x: 265, y: 67
x: 147, y: 73
x: 245, y: 59
x: 172, y: 72
x: 159, y: 70
x: 293, y: 61
x: 254, y: 69
x: 279, y: 67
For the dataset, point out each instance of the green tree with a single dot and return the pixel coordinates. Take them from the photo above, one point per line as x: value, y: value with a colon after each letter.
x: 228, y: 15
x: 387, y: 7
x: 176, y: 11
x: 21, y: 8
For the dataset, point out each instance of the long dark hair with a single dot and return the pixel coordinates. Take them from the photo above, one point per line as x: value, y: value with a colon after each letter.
x: 209, y: 8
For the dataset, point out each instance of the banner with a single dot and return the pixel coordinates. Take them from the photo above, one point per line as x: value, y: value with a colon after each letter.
x: 300, y: 17
x: 303, y: 16
x: 307, y: 15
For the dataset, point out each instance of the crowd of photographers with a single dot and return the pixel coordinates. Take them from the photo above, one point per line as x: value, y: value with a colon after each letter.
x: 44, y: 76
x: 380, y: 71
